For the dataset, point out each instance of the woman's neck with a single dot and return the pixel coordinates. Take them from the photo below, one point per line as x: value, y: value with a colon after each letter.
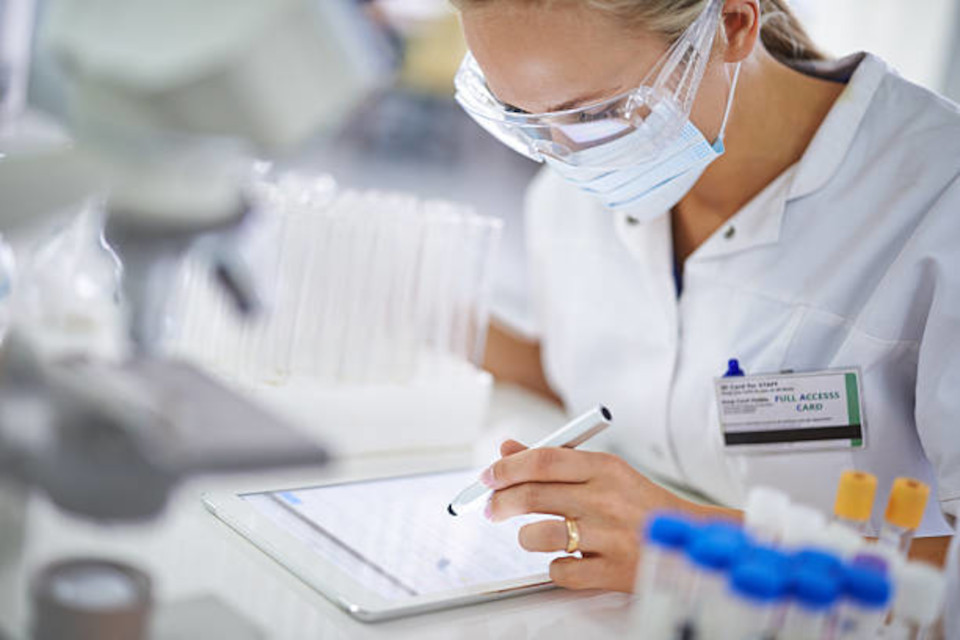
x: 776, y: 112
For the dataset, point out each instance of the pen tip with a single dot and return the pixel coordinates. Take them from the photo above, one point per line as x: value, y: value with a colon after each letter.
x: 450, y: 510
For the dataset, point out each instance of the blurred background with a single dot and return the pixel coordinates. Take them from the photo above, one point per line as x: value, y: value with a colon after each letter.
x: 420, y: 141
x: 414, y: 138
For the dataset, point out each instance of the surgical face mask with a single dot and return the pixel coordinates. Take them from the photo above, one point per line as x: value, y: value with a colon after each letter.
x: 652, y: 186
x: 650, y: 116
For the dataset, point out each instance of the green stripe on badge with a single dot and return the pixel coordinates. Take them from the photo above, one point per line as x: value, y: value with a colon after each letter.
x: 853, y: 399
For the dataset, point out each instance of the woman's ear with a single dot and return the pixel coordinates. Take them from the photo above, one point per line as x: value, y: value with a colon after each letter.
x: 741, y: 21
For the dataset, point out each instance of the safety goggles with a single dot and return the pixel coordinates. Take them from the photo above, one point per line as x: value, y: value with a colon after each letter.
x: 657, y: 109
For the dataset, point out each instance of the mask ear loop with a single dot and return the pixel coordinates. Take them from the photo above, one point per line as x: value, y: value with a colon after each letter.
x: 726, y: 110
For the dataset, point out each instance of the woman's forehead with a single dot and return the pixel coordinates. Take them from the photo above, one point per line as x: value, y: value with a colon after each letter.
x: 540, y: 59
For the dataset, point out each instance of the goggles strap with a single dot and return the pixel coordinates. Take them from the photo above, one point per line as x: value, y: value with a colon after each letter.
x: 726, y: 111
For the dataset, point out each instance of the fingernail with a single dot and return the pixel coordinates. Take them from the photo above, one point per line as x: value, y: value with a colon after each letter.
x: 487, y: 477
x: 488, y: 511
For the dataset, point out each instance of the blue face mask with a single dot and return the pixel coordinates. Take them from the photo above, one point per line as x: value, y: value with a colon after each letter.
x: 648, y: 189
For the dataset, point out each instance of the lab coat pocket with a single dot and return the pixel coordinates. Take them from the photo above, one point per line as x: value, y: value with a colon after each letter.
x: 887, y: 367
x: 808, y: 477
x: 814, y: 343
x: 826, y: 341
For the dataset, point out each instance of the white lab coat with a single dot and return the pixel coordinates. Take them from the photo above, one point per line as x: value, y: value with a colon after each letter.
x: 850, y: 258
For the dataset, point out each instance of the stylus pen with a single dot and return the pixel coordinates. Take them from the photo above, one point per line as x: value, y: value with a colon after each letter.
x: 570, y: 435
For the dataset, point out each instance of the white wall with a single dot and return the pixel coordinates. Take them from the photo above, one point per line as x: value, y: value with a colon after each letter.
x: 917, y: 37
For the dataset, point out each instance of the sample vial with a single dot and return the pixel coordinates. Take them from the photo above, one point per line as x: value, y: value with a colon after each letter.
x: 814, y: 593
x: 764, y: 515
x: 842, y: 540
x: 802, y: 526
x: 758, y: 588
x: 866, y: 600
x: 711, y: 555
x: 917, y: 603
x: 908, y: 500
x: 662, y: 577
x: 854, y: 503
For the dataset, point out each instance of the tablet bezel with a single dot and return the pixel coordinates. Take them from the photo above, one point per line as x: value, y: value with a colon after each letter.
x: 333, y: 582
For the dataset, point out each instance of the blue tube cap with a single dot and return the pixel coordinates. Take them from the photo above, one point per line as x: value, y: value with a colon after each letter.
x: 670, y: 531
x: 871, y: 562
x: 867, y: 587
x: 759, y: 580
x: 770, y: 557
x: 814, y: 589
x: 717, y: 546
x: 818, y: 560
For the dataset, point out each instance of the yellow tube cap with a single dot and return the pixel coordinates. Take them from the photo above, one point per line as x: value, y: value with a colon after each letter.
x: 855, y: 495
x: 908, y: 500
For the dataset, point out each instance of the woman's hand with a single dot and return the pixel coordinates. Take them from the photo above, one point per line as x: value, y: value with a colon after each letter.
x: 606, y: 498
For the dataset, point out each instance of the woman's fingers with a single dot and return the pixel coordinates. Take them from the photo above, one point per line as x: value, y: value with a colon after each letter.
x: 594, y: 572
x: 552, y: 464
x: 549, y: 498
x: 549, y: 536
x: 510, y: 447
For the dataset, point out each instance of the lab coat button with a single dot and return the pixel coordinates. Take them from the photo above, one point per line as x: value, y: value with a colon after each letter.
x: 729, y: 233
x: 632, y: 221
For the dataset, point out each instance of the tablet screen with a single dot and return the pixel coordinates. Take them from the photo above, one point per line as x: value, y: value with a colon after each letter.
x: 396, y: 538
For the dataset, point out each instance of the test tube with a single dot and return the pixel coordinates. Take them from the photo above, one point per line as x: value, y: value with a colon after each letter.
x: 464, y: 292
x: 908, y: 501
x: 758, y: 589
x: 871, y: 561
x: 764, y: 515
x: 918, y: 601
x: 802, y: 526
x: 814, y: 591
x: 866, y: 600
x: 842, y: 540
x: 662, y: 576
x: 331, y: 328
x: 403, y: 310
x: 304, y: 313
x: 711, y: 555
x: 854, y: 503
x: 951, y: 617
x: 490, y: 242
x: 358, y: 270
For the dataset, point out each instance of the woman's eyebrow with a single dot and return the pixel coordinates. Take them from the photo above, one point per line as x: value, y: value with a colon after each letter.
x: 570, y: 104
x: 586, y: 98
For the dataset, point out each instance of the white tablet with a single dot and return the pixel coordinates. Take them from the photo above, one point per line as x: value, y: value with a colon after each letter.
x: 388, y: 548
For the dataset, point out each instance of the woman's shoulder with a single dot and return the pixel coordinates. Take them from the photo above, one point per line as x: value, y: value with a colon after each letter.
x: 912, y: 121
x: 888, y: 152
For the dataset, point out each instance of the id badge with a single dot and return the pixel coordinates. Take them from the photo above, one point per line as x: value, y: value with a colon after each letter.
x: 790, y: 411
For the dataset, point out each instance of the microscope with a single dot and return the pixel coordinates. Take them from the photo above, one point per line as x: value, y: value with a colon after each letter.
x: 167, y: 102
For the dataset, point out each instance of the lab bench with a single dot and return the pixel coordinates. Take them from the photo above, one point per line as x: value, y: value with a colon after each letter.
x: 210, y: 582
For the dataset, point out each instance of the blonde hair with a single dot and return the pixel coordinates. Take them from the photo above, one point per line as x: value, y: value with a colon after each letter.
x: 781, y: 32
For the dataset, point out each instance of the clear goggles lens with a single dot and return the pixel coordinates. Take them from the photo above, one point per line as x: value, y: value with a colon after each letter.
x: 656, y: 110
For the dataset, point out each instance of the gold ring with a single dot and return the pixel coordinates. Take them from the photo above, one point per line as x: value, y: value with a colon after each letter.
x: 573, y: 536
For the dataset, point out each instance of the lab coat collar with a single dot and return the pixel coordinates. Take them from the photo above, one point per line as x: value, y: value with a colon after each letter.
x: 758, y: 222
x: 863, y: 74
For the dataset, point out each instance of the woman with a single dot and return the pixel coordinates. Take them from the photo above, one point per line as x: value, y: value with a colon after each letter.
x: 715, y: 189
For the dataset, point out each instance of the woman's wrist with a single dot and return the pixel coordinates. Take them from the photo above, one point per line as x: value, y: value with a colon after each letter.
x: 707, y: 511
